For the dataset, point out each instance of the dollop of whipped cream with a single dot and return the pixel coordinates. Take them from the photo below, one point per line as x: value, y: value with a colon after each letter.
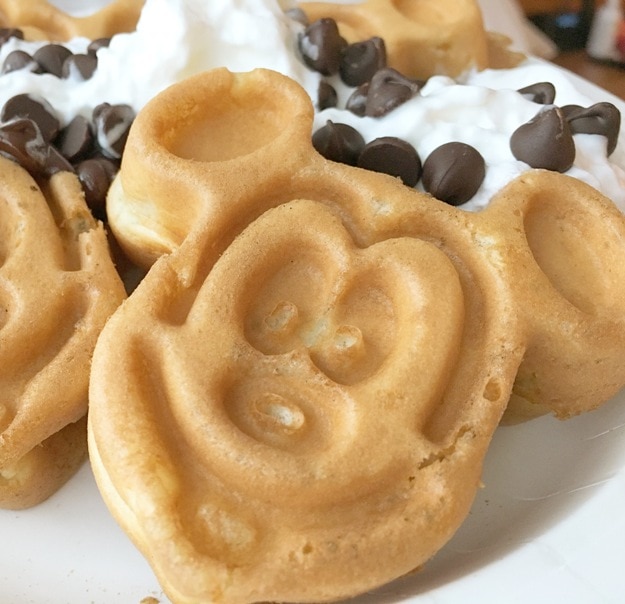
x: 483, y: 109
x: 178, y: 38
x: 174, y: 39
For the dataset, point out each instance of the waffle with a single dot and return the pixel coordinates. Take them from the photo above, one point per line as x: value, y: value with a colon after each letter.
x: 317, y: 360
x: 58, y: 286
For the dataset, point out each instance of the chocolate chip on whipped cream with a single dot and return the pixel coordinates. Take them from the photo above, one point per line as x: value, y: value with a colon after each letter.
x: 31, y: 134
x: 98, y: 43
x: 394, y: 156
x: 79, y: 66
x: 546, y: 141
x: 339, y: 142
x: 20, y: 59
x: 361, y: 60
x: 541, y: 140
x: 387, y: 90
x: 357, y: 101
x: 321, y: 46
x: 57, y: 60
x: 6, y: 33
x: 112, y: 123
x: 326, y: 96
x: 600, y: 118
x: 21, y: 140
x: 51, y: 58
x: 76, y: 140
x: 36, y: 109
x: 543, y: 93
x: 454, y: 172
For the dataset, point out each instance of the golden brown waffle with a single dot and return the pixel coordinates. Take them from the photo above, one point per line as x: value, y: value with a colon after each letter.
x: 562, y: 242
x: 41, y: 20
x: 58, y: 286
x: 316, y: 363
x: 422, y: 37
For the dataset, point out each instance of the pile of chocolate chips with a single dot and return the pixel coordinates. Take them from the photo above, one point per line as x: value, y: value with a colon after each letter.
x: 32, y: 135
x: 452, y: 173
x: 546, y: 141
x: 54, y: 59
x: 361, y: 65
x: 455, y: 171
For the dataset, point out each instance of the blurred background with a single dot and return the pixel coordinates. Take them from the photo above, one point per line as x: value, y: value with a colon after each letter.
x: 585, y: 36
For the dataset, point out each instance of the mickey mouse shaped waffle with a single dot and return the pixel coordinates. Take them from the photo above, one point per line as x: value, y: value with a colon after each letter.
x: 58, y: 286
x: 295, y: 403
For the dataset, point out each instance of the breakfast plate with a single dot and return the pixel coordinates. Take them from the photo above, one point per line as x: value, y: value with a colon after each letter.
x: 547, y: 524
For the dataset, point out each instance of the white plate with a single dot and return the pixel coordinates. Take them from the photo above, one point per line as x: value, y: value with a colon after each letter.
x: 549, y: 522
x: 549, y: 525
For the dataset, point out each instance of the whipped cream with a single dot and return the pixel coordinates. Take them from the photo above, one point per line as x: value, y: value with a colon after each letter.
x: 483, y: 111
x: 173, y: 40
x: 178, y: 38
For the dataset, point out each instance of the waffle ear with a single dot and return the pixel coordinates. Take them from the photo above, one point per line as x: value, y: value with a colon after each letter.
x: 156, y: 199
x: 569, y: 240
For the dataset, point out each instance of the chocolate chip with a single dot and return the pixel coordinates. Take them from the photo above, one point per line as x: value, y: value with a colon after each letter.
x: 95, y: 45
x: 6, y: 33
x: 321, y: 46
x: 51, y: 58
x: 80, y: 66
x: 393, y: 156
x: 95, y: 176
x: 76, y: 140
x: 19, y: 135
x: 326, y: 96
x: 20, y: 59
x: 543, y: 93
x: 359, y: 61
x: 545, y: 141
x: 454, y: 172
x: 357, y: 101
x: 112, y: 124
x: 22, y: 140
x: 600, y: 118
x: 388, y: 89
x: 36, y: 109
x: 338, y: 142
x: 55, y: 162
